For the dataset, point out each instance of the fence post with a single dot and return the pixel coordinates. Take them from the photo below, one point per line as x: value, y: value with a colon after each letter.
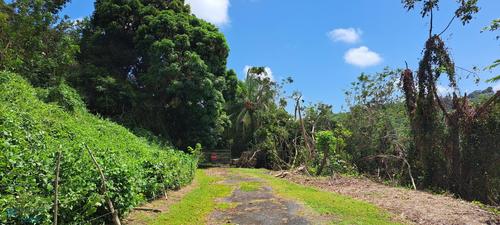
x: 56, y: 187
x: 114, y: 213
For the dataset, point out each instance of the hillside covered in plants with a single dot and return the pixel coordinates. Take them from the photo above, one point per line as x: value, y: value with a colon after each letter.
x: 35, y: 133
x: 103, y: 116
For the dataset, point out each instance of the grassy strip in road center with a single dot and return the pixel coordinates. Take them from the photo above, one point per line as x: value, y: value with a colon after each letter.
x: 250, y: 186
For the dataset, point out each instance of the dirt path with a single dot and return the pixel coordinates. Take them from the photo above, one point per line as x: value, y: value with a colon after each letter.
x: 251, y: 202
x: 251, y: 197
x: 416, y: 206
x: 254, y: 203
x: 141, y: 217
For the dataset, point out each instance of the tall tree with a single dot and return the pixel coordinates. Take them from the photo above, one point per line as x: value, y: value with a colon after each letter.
x: 35, y: 41
x: 152, y: 64
x: 446, y: 150
x: 258, y: 94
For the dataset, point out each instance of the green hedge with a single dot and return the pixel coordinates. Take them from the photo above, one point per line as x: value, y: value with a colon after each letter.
x: 31, y: 133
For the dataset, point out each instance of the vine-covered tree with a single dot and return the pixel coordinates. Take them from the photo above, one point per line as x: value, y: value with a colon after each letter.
x: 455, y: 154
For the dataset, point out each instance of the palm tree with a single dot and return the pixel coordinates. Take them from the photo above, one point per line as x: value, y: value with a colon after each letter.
x: 258, y: 93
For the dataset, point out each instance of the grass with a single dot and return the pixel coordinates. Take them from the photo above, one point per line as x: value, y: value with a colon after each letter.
x: 226, y: 205
x: 345, y: 209
x: 250, y: 186
x: 196, y: 205
x: 488, y: 208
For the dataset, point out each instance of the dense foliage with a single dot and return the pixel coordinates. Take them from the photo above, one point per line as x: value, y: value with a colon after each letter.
x: 379, y: 125
x: 270, y: 137
x: 32, y: 132
x: 35, y: 42
x: 451, y: 150
x: 333, y: 156
x: 255, y: 95
x: 455, y: 148
x: 153, y: 65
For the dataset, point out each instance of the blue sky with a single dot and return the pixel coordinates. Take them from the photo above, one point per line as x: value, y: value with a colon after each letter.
x: 325, y: 45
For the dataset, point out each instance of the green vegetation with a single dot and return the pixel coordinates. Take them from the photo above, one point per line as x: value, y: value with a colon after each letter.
x: 36, y: 42
x: 250, y: 186
x: 195, y: 206
x: 32, y: 132
x: 145, y: 62
x: 152, y: 66
x: 332, y: 146
x: 346, y: 210
x: 454, y: 145
x: 489, y: 208
x: 379, y: 126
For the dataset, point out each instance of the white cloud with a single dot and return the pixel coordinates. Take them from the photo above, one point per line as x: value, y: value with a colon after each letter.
x: 496, y: 87
x: 269, y: 72
x: 444, y: 90
x: 347, y: 35
x: 213, y: 11
x: 362, y: 57
x: 77, y: 20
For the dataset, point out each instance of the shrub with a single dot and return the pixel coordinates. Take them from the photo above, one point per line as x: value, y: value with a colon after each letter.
x: 331, y: 152
x: 31, y: 134
x: 66, y: 97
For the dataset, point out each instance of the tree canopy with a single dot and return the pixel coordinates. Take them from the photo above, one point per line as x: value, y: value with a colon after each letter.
x: 154, y: 65
x: 36, y: 42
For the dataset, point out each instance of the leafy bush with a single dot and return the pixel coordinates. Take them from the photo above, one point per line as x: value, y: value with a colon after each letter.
x: 331, y: 152
x: 63, y: 95
x: 66, y: 97
x: 31, y: 134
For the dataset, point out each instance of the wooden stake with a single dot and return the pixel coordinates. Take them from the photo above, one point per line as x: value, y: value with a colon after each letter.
x: 56, y: 187
x: 114, y: 213
x: 148, y: 209
x: 164, y: 188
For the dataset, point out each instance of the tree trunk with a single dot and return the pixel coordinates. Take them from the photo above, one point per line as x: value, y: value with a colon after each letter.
x: 326, y: 153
